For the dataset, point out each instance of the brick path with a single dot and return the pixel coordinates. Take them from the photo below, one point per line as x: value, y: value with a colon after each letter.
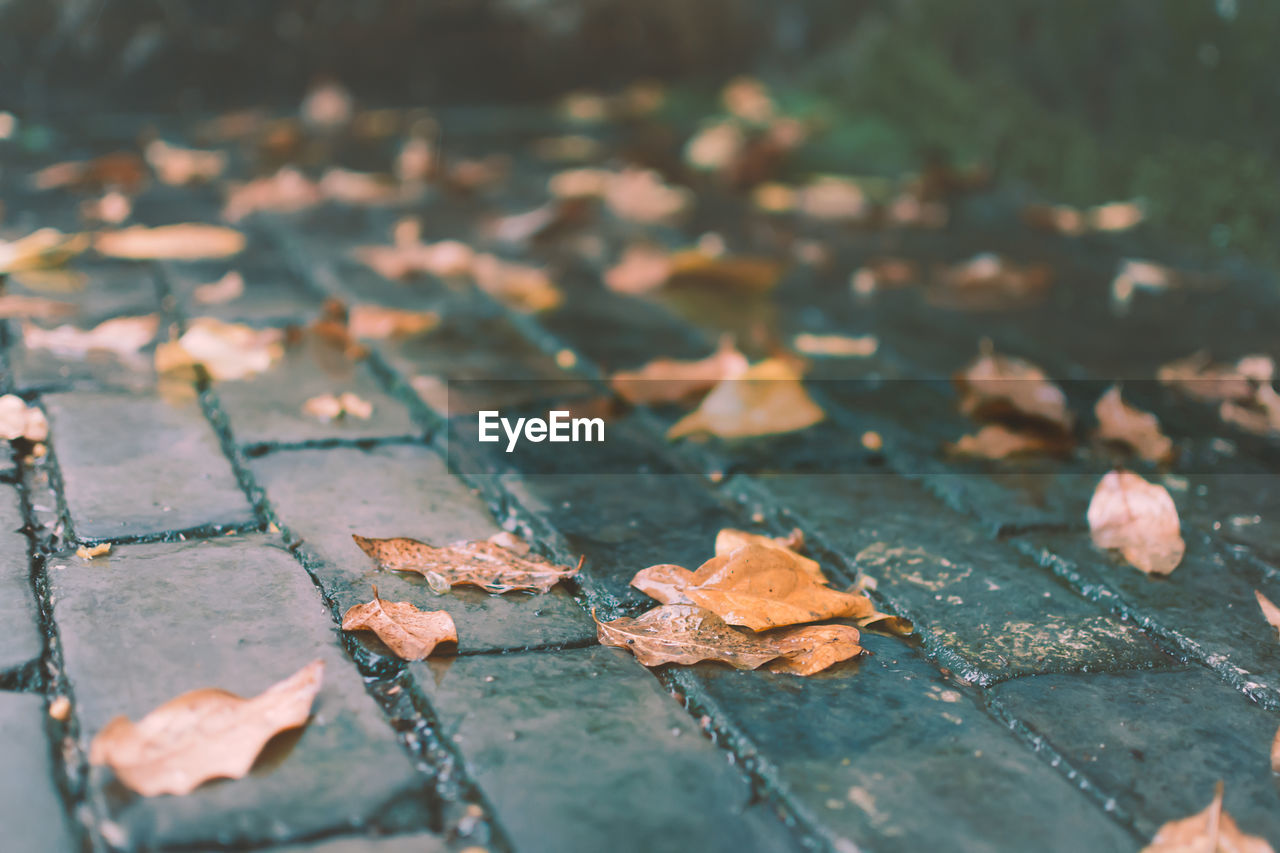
x: 1052, y: 699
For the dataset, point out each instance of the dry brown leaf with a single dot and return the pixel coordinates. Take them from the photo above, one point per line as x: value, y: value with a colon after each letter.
x: 287, y: 191
x: 123, y: 170
x: 225, y: 350
x: 768, y: 398
x: 1073, y: 221
x: 999, y: 387
x: 1139, y: 430
x: 1269, y: 611
x: 378, y: 323
x: 748, y: 99
x: 182, y: 166
x: 522, y: 287
x: 989, y: 281
x: 696, y: 266
x: 997, y: 441
x: 686, y: 634
x: 836, y: 346
x: 716, y: 147
x: 203, y: 734
x: 408, y: 256
x: 667, y: 380
x: 410, y: 633
x: 883, y: 274
x: 42, y: 249
x: 580, y: 183
x: 729, y: 539
x: 641, y: 269
x: 1134, y: 275
x: 120, y: 335
x: 186, y: 242
x: 1138, y: 518
x: 1199, y: 377
x: 226, y: 289
x: 1259, y: 415
x: 18, y: 420
x: 88, y: 552
x: 639, y: 195
x: 499, y: 564
x: 1210, y: 831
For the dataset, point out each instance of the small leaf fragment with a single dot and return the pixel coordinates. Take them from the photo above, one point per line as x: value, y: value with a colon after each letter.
x: 668, y: 380
x: 189, y: 241
x: 1269, y: 611
x: 20, y: 421
x: 1000, y: 387
x: 226, y: 350
x: 412, y: 634
x: 203, y: 734
x: 1139, y: 519
x: 1121, y: 423
x: 768, y: 398
x: 119, y: 335
x: 483, y: 563
x: 1210, y: 831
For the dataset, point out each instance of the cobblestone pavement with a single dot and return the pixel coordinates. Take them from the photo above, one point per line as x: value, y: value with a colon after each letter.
x: 1052, y: 698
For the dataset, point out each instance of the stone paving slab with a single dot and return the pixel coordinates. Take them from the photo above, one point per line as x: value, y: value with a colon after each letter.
x: 31, y: 809
x: 1156, y: 743
x: 583, y: 750
x: 273, y: 294
x: 989, y: 608
x: 322, y: 497
x: 21, y: 642
x: 149, y: 622
x: 420, y: 843
x: 886, y: 741
x: 141, y: 466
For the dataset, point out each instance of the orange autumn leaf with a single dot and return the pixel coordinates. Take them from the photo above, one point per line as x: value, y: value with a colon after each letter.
x: 225, y: 350
x: 204, y: 734
x: 522, y: 287
x: 669, y: 380
x: 182, y: 166
x: 768, y: 398
x: 377, y: 322
x: 185, y: 242
x: 1275, y: 753
x: 1269, y: 611
x: 410, y: 633
x: 42, y: 249
x: 498, y: 564
x: 997, y: 441
x: 685, y: 634
x: 1139, y: 519
x: 120, y: 335
x: 641, y: 268
x: 18, y: 420
x: 1197, y: 376
x: 1210, y: 831
x: 1000, y: 387
x: 695, y: 266
x: 226, y: 289
x: 121, y: 169
x: 329, y: 407
x: 1121, y: 423
x: 286, y: 191
x: 1259, y: 415
x: 640, y: 195
x: 730, y: 539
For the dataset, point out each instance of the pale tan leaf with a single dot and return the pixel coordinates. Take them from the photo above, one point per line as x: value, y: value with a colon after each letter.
x: 20, y: 306
x: 226, y: 289
x: 484, y: 563
x: 997, y: 441
x: 1139, y: 430
x: 988, y: 281
x: 1139, y: 519
x: 698, y: 266
x: 204, y: 734
x: 838, y: 346
x: 639, y: 195
x: 768, y: 398
x: 120, y: 335
x: 1210, y: 831
x: 1269, y: 611
x: 182, y: 166
x: 287, y: 191
x: 1199, y: 377
x: 524, y: 288
x: 226, y: 350
x: 188, y: 241
x: 410, y: 633
x: 376, y: 322
x: 642, y: 268
x: 999, y: 387
x: 44, y: 248
x: 18, y: 420
x: 667, y: 380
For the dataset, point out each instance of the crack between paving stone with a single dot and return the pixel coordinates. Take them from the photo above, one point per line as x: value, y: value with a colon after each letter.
x: 255, y: 450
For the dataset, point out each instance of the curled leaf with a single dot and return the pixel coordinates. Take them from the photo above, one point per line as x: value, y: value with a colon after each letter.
x: 1210, y: 831
x: 768, y: 398
x: 187, y: 242
x: 412, y: 634
x: 204, y: 734
x: 668, y: 380
x: 685, y: 634
x: 1000, y: 387
x: 487, y: 564
x: 1138, y: 518
x: 1121, y: 423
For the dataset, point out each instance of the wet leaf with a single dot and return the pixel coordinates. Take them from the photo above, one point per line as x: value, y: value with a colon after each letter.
x: 1074, y: 221
x: 1210, y: 831
x: 18, y: 420
x: 204, y: 734
x: 836, y: 346
x: 641, y: 269
x: 327, y: 106
x: 287, y: 191
x: 522, y: 287
x: 758, y: 586
x: 1275, y: 753
x: 1134, y: 275
x: 88, y: 552
x: 1259, y: 415
x: 729, y: 539
x: 408, y: 256
x: 685, y: 634
x: 410, y: 633
x: 989, y: 281
x: 767, y: 399
x: 997, y: 441
x: 640, y: 195
x: 378, y: 323
x: 225, y: 350
x: 833, y: 199
x: 186, y: 242
x: 499, y: 564
x: 1139, y: 519
x: 1269, y: 611
x: 226, y: 289
x: 1197, y: 376
x: 42, y: 249
x: 120, y: 335
x: 1004, y: 388
x: 182, y: 166
x: 668, y: 380
x: 358, y: 188
x: 1140, y: 431
x: 122, y: 170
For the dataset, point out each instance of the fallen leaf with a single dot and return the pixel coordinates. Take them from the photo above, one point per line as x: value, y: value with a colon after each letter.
x: 686, y: 634
x: 668, y: 380
x: 1074, y: 221
x: 358, y: 188
x: 379, y: 323
x: 748, y: 99
x: 1269, y: 611
x: 1197, y: 376
x: 287, y: 191
x: 997, y: 441
x: 696, y: 266
x: 1116, y: 216
x: 88, y: 552
x: 123, y: 170
x: 989, y: 281
x: 522, y: 287
x: 408, y: 256
x: 1134, y: 275
x: 580, y: 183
x: 225, y: 350
x: 42, y: 249
x: 186, y: 242
x: 767, y: 399
x: 180, y: 167
x: 1210, y: 831
x: 1140, y: 431
x: 999, y: 387
x: 329, y: 407
x: 327, y: 106
x: 1138, y: 518
x: 19, y: 306
x: 226, y: 289
x: 641, y: 269
x: 1259, y: 415
x: 410, y: 633
x: 833, y: 199
x: 18, y: 420
x: 120, y: 335
x: 716, y: 147
x: 640, y: 195
x: 837, y: 346
x: 1275, y: 753
x: 494, y: 565
x: 113, y: 208
x: 203, y: 734
x: 883, y: 274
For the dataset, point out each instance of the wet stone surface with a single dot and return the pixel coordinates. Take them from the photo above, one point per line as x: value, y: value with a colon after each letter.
x: 322, y: 497
x: 149, y: 622
x: 31, y: 809
x: 141, y: 465
x: 1155, y: 742
x: 21, y: 641
x: 629, y: 766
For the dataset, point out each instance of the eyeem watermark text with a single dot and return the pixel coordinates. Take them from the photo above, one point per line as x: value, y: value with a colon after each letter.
x: 558, y: 426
